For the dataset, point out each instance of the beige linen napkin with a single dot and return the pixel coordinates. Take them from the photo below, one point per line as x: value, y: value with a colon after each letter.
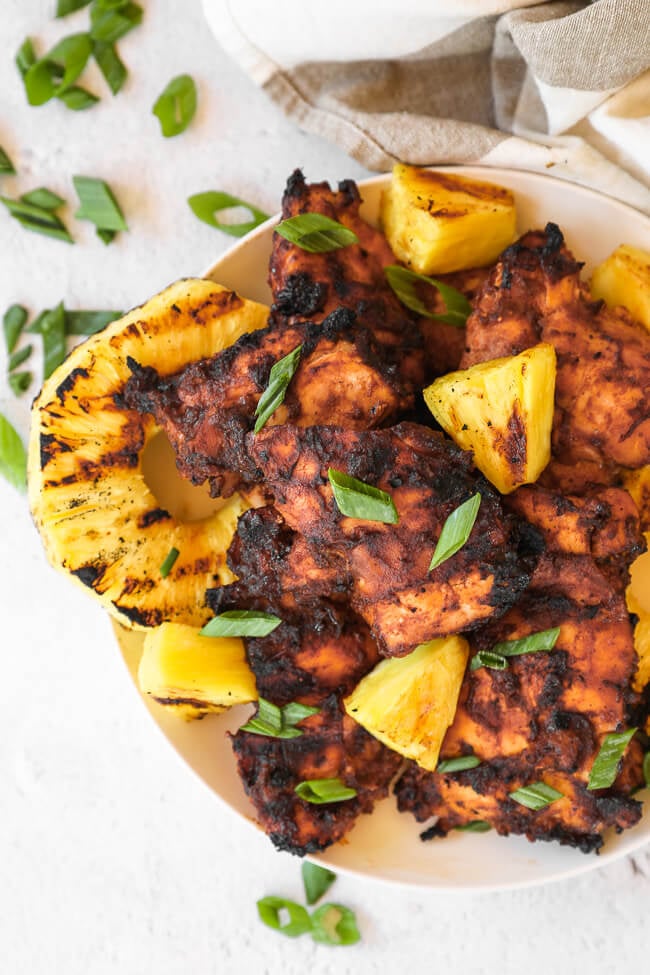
x: 556, y: 87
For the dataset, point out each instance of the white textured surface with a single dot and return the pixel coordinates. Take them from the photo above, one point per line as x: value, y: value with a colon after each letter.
x: 114, y: 858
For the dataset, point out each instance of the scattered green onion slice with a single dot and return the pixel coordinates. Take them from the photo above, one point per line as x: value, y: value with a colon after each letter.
x: 88, y: 322
x: 6, y: 165
x: 206, y: 205
x: 485, y: 658
x: 13, y: 458
x: 456, y: 530
x: 475, y: 826
x: 13, y: 322
x: 646, y: 769
x: 294, y: 712
x: 53, y: 74
x: 19, y: 382
x: 316, y: 880
x: 17, y: 358
x: 65, y: 7
x: 334, y: 924
x: 109, y: 22
x: 281, y: 374
x: 78, y: 99
x: 98, y: 204
x: 403, y: 282
x: 318, y: 791
x: 37, y: 219
x: 25, y: 57
x: 458, y: 764
x: 52, y: 328
x: 169, y: 562
x: 110, y: 65
x: 241, y: 622
x: 316, y: 233
x: 44, y: 198
x: 536, y: 796
x: 533, y: 643
x: 605, y: 767
x: 356, y: 499
x: 275, y: 722
x: 270, y: 908
x: 175, y: 107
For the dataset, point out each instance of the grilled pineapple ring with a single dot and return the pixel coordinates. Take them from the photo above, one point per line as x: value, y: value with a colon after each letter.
x: 99, y: 521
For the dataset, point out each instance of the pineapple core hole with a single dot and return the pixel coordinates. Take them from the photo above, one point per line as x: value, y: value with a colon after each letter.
x: 184, y: 501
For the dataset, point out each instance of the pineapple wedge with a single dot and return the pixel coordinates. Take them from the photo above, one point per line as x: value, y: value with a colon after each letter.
x: 409, y: 702
x: 502, y: 410
x: 637, y: 484
x: 436, y: 222
x: 99, y: 521
x: 193, y: 675
x: 624, y: 279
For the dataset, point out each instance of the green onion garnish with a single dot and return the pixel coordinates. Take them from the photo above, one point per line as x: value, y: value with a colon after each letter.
x: 275, y: 722
x: 175, y: 107
x: 356, y: 499
x: 25, y: 57
x: 6, y: 165
x: 241, y: 622
x: 458, y: 764
x: 205, y: 205
x: 475, y: 826
x: 316, y: 233
x: 317, y: 881
x: 52, y: 328
x: 605, y: 767
x: 110, y: 65
x: 88, y: 322
x: 13, y: 458
x: 99, y: 206
x: 169, y: 562
x: 13, y: 322
x: 40, y: 219
x: 55, y: 73
x: 65, y: 7
x: 19, y: 382
x: 110, y: 21
x: 17, y: 359
x: 270, y: 910
x: 533, y: 643
x: 403, y: 282
x: 318, y: 791
x: 334, y: 924
x: 536, y: 796
x: 485, y: 658
x: 456, y: 530
x: 78, y: 99
x: 281, y: 374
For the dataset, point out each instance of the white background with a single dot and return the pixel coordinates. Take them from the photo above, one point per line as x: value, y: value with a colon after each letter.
x: 114, y: 858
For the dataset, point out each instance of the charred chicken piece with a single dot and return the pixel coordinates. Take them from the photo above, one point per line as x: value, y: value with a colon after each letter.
x: 602, y: 397
x: 386, y: 567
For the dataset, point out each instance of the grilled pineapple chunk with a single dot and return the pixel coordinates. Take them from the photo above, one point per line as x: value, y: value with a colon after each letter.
x: 502, y: 410
x: 193, y: 675
x: 624, y: 279
x: 409, y: 702
x: 99, y: 521
x: 436, y: 222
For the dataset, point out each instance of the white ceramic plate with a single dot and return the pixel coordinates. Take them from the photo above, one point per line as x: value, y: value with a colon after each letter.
x: 386, y: 844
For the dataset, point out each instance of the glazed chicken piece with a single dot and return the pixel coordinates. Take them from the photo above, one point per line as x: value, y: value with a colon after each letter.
x: 546, y: 715
x: 385, y: 566
x: 602, y: 397
x: 311, y: 286
x: 444, y: 345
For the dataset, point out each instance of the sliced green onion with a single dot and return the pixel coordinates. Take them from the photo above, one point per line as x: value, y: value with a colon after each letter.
x: 108, y: 23
x: 334, y: 924
x: 175, y: 107
x: 169, y: 562
x: 294, y: 712
x: 605, y: 767
x: 52, y: 329
x: 533, y: 643
x: 475, y: 826
x: 78, y: 99
x: 536, y: 796
x: 275, y: 722
x: 110, y: 65
x: 403, y: 282
x: 646, y: 769
x: 356, y: 499
x: 485, y: 658
x: 44, y: 198
x: 6, y: 165
x: 205, y: 205
x: 318, y: 791
x: 65, y: 7
x: 98, y: 204
x: 19, y: 382
x: 317, y: 881
x: 13, y: 458
x: 241, y: 622
x: 456, y: 530
x: 270, y: 911
x: 58, y: 70
x: 315, y: 233
x: 37, y: 219
x: 25, y: 57
x: 13, y: 322
x: 88, y: 322
x: 458, y: 764
x: 281, y: 374
x: 17, y: 359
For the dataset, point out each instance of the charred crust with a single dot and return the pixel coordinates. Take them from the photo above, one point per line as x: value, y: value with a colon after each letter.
x: 153, y: 517
x: 301, y: 295
x: 70, y: 382
x: 89, y: 575
x: 50, y: 446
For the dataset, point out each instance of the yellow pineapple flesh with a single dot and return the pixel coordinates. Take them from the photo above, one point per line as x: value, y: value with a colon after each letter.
x: 501, y: 410
x: 438, y: 222
x: 409, y: 702
x: 193, y: 675
x: 624, y: 279
x: 99, y: 521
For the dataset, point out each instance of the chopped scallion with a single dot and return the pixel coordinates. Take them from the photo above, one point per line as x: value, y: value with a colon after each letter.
x: 52, y: 328
x: 109, y: 22
x: 271, y: 910
x: 404, y: 283
x: 605, y: 768
x: 275, y: 722
x: 25, y: 57
x: 319, y: 791
x: 13, y: 458
x: 19, y: 382
x: 316, y: 233
x: 13, y: 322
x: 17, y: 358
x: 241, y: 622
x: 456, y: 530
x: 334, y: 924
x: 37, y: 218
x: 98, y: 205
x: 459, y: 764
x: 316, y: 880
x: 356, y: 499
x: 533, y: 643
x: 475, y: 826
x: 536, y: 796
x: 175, y: 107
x: 206, y: 205
x: 281, y: 374
x: 6, y: 165
x: 485, y: 658
x: 110, y: 65
x: 169, y: 562
x: 65, y: 7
